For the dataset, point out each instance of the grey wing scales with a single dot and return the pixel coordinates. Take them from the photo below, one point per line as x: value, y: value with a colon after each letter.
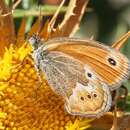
x: 62, y: 72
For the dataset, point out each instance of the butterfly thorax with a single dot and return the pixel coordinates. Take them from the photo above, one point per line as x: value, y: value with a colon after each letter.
x: 40, y: 55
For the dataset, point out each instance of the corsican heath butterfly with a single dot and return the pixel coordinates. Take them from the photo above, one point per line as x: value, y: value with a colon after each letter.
x: 82, y: 71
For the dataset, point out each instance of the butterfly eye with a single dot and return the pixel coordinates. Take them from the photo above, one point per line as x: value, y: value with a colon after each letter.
x: 82, y: 98
x: 112, y: 61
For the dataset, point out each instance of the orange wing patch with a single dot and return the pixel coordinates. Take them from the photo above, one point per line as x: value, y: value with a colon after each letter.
x: 98, y: 56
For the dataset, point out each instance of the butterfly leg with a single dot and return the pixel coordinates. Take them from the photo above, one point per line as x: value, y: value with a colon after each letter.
x: 39, y: 85
x: 122, y: 97
x: 38, y: 70
x: 125, y: 92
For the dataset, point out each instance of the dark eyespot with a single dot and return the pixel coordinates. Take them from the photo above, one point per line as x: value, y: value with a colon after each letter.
x: 89, y: 75
x: 82, y: 98
x: 112, y: 61
x: 89, y: 96
x: 95, y: 95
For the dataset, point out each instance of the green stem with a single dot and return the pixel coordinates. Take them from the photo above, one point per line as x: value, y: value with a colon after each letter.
x: 45, y: 11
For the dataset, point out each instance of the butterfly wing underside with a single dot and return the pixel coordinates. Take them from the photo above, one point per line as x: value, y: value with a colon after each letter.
x: 69, y: 78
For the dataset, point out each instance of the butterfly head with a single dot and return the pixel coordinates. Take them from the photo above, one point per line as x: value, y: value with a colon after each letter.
x: 35, y: 41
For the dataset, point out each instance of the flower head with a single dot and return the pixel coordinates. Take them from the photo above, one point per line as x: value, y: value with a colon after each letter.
x: 25, y: 103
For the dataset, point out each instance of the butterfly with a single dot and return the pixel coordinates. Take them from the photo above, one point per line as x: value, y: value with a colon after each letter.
x: 82, y: 71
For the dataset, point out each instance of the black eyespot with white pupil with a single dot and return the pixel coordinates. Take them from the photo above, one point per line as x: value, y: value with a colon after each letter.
x: 89, y: 75
x: 112, y: 61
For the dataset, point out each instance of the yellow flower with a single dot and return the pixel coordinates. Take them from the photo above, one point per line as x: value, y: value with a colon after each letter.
x: 78, y: 124
x: 24, y: 103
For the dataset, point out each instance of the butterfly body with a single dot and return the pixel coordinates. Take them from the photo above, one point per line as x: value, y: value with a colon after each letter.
x: 82, y: 71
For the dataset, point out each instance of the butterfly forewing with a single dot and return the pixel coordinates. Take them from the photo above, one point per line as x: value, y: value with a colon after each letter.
x: 108, y: 63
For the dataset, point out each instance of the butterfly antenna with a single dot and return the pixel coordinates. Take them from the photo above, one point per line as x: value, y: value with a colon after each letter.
x: 40, y: 20
x: 52, y: 22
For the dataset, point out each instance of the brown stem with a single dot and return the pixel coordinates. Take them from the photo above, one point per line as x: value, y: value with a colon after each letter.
x: 114, y: 126
x: 6, y: 27
x: 118, y: 44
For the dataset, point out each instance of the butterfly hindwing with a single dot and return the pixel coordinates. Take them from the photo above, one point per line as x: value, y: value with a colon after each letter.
x: 91, y: 100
